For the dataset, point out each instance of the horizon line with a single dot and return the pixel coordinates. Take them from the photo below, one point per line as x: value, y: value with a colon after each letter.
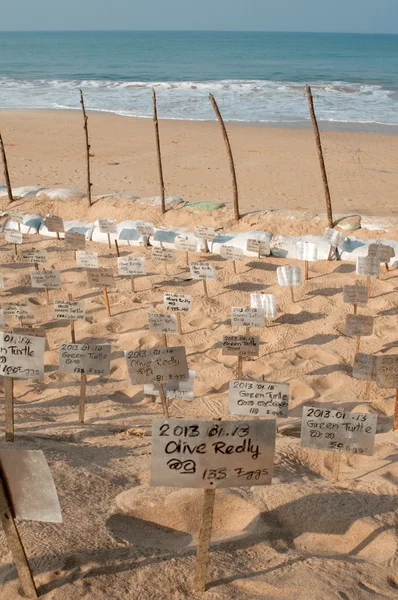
x: 193, y: 31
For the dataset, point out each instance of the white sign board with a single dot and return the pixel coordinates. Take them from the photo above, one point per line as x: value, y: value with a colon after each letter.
x: 245, y: 316
x: 75, y: 241
x: 13, y: 237
x: 50, y: 279
x: 157, y: 365
x: 231, y: 253
x: 144, y: 228
x: 387, y: 371
x: 86, y: 260
x: 355, y: 294
x: 131, y: 265
x: 160, y: 254
x: 184, y: 242
x: 334, y: 238
x: 240, y: 345
x: 160, y: 323
x: 204, y: 233
x: 73, y: 310
x: 177, y: 302
x: 17, y: 216
x: 212, y: 454
x: 381, y: 251
x: 288, y: 276
x: 306, y: 251
x: 258, y: 399
x: 16, y: 310
x: 358, y: 325
x: 54, y: 224
x: 107, y: 225
x: 175, y: 390
x: 100, y: 278
x: 338, y: 430
x: 202, y: 270
x: 33, y: 256
x: 368, y: 266
x: 265, y: 301
x: 89, y: 359
x: 365, y: 366
x: 21, y: 356
x: 259, y: 247
x: 34, y: 332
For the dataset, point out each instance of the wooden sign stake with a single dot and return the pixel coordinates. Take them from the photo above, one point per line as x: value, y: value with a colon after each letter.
x: 205, y: 288
x: 72, y: 324
x: 240, y: 369
x: 186, y: 258
x: 355, y: 309
x: 330, y: 253
x: 336, y: 466
x: 117, y: 248
x: 368, y: 283
x: 106, y: 298
x: 202, y: 553
x: 247, y: 331
x: 109, y: 241
x: 132, y: 284
x: 15, y: 544
x: 74, y: 254
x: 387, y: 268
x: 163, y: 400
x: 16, y: 249
x: 367, y: 391
x: 206, y: 246
x: 5, y: 171
x: 395, y: 425
x: 58, y: 238
x: 158, y: 153
x: 165, y: 340
x: 358, y: 344
x: 306, y: 270
x: 234, y: 264
x: 9, y: 407
x: 82, y: 403
x: 179, y: 327
x: 291, y: 293
x: 36, y: 266
x: 85, y: 127
x: 47, y: 296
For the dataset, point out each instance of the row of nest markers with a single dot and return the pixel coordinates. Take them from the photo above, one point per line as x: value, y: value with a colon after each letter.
x: 185, y: 453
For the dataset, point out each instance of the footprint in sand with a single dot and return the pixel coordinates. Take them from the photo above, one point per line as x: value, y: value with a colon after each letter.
x: 204, y: 323
x: 148, y: 341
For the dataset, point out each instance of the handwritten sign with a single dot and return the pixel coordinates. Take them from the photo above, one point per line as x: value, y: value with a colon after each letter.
x: 231, y: 253
x: 338, y: 430
x: 184, y: 242
x: 365, y: 366
x: 75, y: 241
x: 131, y: 265
x: 381, y: 251
x: 13, y: 237
x: 73, y: 310
x: 177, y: 302
x: 107, y: 225
x: 355, y: 294
x: 241, y: 345
x: 202, y: 270
x: 89, y: 359
x: 204, y: 233
x: 358, y: 325
x: 265, y: 301
x: 245, y: 316
x: 33, y: 256
x: 100, y: 278
x: 160, y: 323
x: 144, y: 228
x: 160, y: 254
x: 368, y: 266
x: 16, y: 310
x: 50, y: 279
x: 334, y: 238
x: 157, y: 365
x: 212, y: 454
x: 54, y: 224
x: 288, y: 276
x: 17, y: 216
x: 259, y: 247
x: 387, y: 371
x: 86, y: 260
x: 175, y: 390
x: 306, y: 251
x: 21, y: 356
x: 258, y: 399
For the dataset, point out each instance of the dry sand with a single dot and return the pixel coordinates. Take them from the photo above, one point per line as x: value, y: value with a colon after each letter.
x: 302, y: 538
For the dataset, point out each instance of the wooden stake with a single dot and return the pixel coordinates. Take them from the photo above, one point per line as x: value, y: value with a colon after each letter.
x: 16, y: 249
x: 117, y: 248
x: 205, y: 288
x: 387, y: 268
x: 9, y: 407
x: 306, y: 270
x: 240, y: 369
x: 336, y: 466
x: 163, y: 400
x: 206, y: 245
x: 72, y: 325
x: 47, y: 296
x: 367, y: 391
x: 82, y: 403
x: 202, y: 553
x: 395, y: 425
x: 36, y: 266
x: 165, y: 340
x: 106, y: 298
x: 291, y: 293
x: 15, y: 544
x: 85, y: 127
x: 159, y: 156
x: 179, y: 327
x: 247, y: 330
x: 230, y: 157
x: 355, y: 309
x: 74, y: 255
x: 186, y: 258
x: 5, y: 171
x: 358, y: 344
x: 234, y: 265
x: 132, y: 284
x: 330, y: 253
x: 320, y: 157
x: 109, y: 241
x: 368, y: 284
x: 58, y: 238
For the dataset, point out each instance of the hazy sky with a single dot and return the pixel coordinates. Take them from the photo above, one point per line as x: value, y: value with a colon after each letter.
x: 374, y: 16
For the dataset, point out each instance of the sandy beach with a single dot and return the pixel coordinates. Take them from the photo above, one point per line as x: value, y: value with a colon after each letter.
x: 276, y: 167
x: 302, y: 538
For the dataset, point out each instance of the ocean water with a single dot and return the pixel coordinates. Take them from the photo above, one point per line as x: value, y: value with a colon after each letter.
x: 256, y: 77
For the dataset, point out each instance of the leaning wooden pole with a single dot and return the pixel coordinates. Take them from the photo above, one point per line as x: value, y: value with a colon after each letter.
x: 161, y: 180
x: 320, y: 156
x: 85, y: 117
x: 5, y: 170
x: 230, y: 157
